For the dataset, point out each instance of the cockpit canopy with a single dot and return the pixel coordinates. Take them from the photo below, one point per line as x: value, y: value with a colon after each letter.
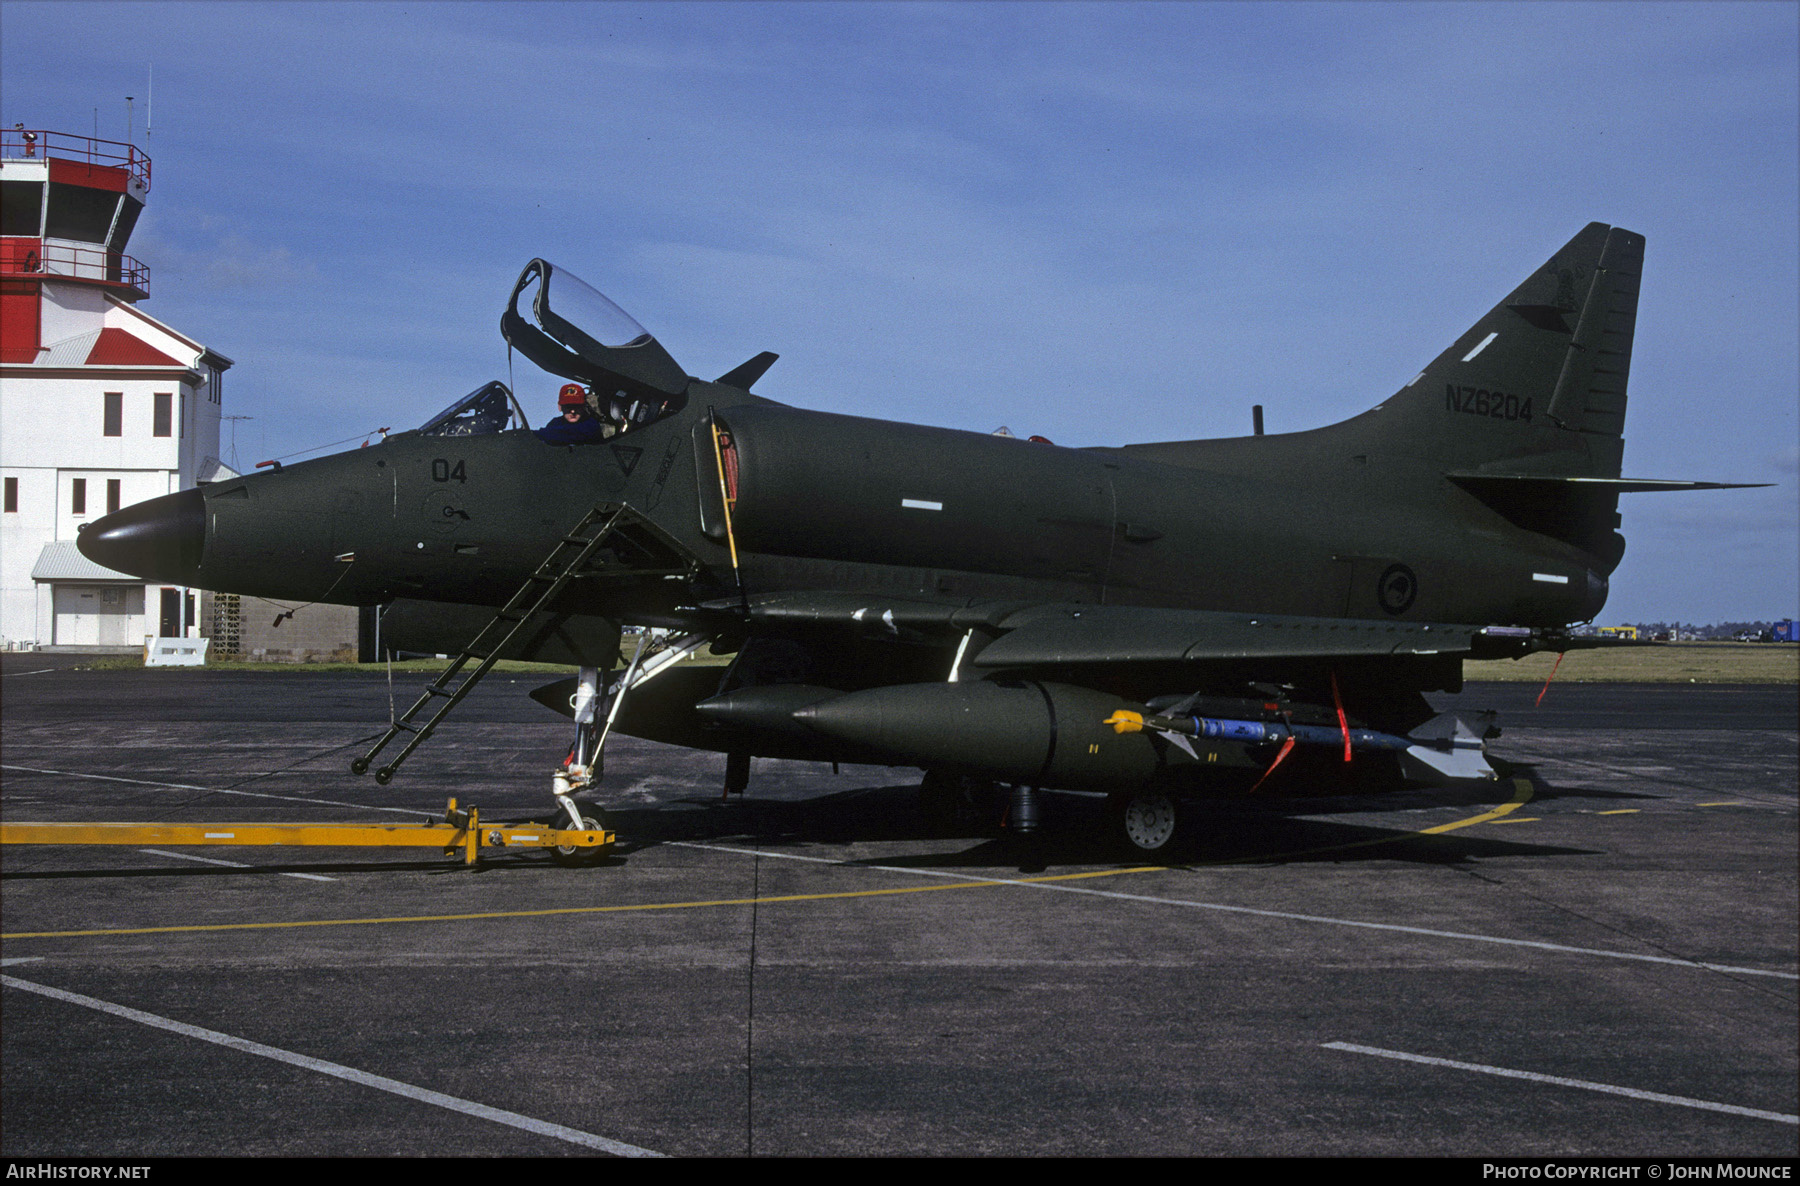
x: 569, y: 329
x: 489, y: 408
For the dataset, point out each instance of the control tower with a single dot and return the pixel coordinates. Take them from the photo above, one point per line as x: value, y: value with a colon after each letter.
x: 101, y: 405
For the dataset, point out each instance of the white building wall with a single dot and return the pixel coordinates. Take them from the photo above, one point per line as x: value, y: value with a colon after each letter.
x: 69, y: 310
x: 59, y: 419
x: 22, y: 536
x: 52, y: 423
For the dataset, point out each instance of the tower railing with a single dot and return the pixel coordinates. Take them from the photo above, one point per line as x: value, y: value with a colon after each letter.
x: 35, y: 257
x: 33, y: 144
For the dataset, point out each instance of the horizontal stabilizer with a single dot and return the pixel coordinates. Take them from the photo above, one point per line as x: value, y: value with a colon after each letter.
x: 1613, y: 485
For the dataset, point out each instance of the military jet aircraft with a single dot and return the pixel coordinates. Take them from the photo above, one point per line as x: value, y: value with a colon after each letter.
x: 1155, y: 622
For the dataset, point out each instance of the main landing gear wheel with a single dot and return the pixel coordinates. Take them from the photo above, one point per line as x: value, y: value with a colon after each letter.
x: 1146, y: 821
x: 574, y: 856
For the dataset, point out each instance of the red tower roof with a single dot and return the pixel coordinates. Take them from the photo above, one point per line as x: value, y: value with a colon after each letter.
x: 115, y: 347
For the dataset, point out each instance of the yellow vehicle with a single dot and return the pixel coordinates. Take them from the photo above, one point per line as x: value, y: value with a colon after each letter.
x: 1619, y: 632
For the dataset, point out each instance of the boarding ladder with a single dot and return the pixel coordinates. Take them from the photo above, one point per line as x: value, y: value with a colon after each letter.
x: 569, y: 560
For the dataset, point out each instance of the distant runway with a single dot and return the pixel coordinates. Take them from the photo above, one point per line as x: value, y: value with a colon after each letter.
x: 1595, y: 956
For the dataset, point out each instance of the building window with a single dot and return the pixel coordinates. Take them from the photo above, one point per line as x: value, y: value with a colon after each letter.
x: 115, y: 414
x: 12, y: 494
x: 22, y: 208
x: 112, y: 495
x: 79, y: 212
x: 161, y: 414
x: 78, y: 496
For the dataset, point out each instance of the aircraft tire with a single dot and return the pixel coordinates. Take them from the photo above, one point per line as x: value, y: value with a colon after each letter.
x: 1146, y: 822
x: 573, y: 857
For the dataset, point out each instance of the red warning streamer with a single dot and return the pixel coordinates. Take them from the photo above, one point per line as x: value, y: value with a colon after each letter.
x: 1286, y: 746
x: 1548, y: 678
x: 1337, y: 702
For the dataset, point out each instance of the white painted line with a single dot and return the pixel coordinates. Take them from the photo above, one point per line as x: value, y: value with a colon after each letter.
x: 188, y: 856
x: 1549, y: 578
x: 182, y: 786
x: 920, y: 504
x: 1339, y: 922
x: 39, y: 671
x: 350, y: 1074
x: 1653, y: 1096
x: 1482, y: 345
x: 19, y: 959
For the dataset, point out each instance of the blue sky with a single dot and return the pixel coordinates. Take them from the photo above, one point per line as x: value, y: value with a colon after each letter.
x: 1103, y: 223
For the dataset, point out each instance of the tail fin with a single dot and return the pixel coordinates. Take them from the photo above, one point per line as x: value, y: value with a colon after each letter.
x: 1527, y: 410
x: 1537, y: 386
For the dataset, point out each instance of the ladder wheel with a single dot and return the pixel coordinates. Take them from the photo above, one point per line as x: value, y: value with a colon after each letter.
x: 360, y: 766
x: 384, y: 775
x: 574, y: 857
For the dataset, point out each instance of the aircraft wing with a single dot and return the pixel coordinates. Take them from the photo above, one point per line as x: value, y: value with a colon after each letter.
x: 1066, y: 634
x: 1063, y: 635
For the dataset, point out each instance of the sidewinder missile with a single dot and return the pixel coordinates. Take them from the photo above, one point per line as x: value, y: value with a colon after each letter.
x: 1444, y: 749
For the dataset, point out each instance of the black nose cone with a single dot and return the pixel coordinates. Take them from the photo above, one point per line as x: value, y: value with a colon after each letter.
x: 158, y: 540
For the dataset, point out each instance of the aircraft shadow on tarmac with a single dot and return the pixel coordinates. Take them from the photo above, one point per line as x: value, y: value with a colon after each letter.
x: 1075, y: 830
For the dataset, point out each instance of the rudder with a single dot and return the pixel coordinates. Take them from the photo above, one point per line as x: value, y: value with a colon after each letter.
x: 1590, y: 392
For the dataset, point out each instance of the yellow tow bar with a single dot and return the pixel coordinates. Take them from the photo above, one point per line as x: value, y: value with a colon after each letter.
x: 461, y: 830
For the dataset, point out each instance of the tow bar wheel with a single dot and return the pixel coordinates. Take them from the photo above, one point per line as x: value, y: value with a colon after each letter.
x: 1147, y: 820
x: 574, y: 856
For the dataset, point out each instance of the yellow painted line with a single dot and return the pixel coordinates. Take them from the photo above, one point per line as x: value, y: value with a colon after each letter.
x: 1620, y: 811
x: 1521, y: 793
x: 1523, y: 819
x: 350, y: 922
x: 1722, y: 803
x: 1521, y: 796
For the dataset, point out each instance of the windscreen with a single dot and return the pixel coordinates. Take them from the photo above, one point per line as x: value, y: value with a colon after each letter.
x: 486, y: 410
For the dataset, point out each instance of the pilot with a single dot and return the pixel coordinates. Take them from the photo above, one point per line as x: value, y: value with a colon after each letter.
x: 576, y: 425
